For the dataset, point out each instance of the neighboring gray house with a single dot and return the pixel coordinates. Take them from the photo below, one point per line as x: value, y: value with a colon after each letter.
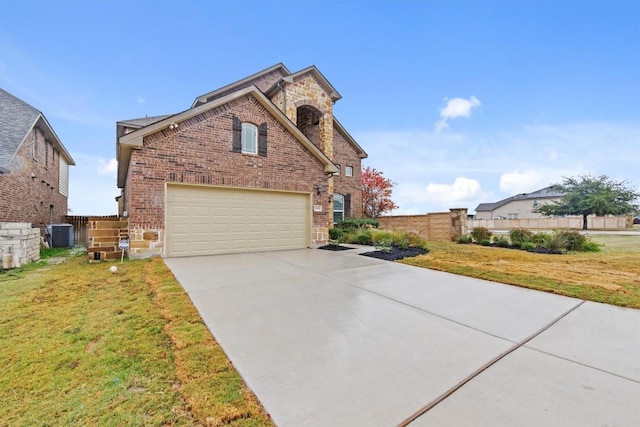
x: 34, y: 165
x: 519, y: 206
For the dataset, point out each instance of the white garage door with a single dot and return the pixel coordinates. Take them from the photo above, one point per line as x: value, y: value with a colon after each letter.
x: 204, y: 220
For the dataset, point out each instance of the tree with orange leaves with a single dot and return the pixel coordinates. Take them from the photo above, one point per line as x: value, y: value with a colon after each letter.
x: 376, y: 193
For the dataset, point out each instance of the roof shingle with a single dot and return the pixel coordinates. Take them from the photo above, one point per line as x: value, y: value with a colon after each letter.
x: 16, y: 119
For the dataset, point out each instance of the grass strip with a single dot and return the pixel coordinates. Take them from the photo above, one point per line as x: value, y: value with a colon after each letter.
x: 83, y: 346
x: 611, y: 276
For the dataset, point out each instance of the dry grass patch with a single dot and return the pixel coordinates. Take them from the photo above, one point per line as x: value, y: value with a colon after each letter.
x: 611, y: 276
x: 82, y: 346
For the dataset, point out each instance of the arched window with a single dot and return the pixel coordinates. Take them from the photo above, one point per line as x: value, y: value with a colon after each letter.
x: 249, y: 138
x: 338, y: 207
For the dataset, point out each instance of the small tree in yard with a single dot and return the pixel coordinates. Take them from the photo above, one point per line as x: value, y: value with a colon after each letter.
x: 376, y: 193
x: 588, y: 195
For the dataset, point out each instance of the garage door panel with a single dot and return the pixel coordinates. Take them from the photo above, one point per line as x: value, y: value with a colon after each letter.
x: 213, y: 220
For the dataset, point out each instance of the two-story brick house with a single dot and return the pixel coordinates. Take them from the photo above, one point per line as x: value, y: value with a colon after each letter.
x: 259, y: 164
x: 34, y: 165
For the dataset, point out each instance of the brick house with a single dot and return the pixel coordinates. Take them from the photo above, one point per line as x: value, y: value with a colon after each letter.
x: 34, y: 166
x: 259, y: 164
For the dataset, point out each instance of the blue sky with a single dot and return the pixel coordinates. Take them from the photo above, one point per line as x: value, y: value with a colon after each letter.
x: 458, y: 102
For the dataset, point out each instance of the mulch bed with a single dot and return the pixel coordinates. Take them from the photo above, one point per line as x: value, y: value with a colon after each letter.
x: 396, y: 253
x: 334, y: 248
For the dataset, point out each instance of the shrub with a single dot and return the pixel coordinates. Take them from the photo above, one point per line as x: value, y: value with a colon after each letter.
x: 377, y: 235
x: 480, y: 233
x: 465, y: 238
x: 401, y: 241
x: 485, y: 242
x: 519, y: 236
x: 555, y: 241
x: 539, y: 238
x: 349, y: 224
x: 528, y: 246
x: 414, y: 239
x: 384, y: 245
x: 502, y: 242
x: 336, y: 234
x: 362, y: 236
x: 575, y: 240
x: 590, y: 246
x: 517, y: 245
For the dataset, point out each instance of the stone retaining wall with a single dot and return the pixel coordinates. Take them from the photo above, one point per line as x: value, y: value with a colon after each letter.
x: 19, y: 244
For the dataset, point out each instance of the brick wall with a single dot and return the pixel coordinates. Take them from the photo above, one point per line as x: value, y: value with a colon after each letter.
x: 19, y: 244
x: 438, y: 227
x: 27, y: 199
x: 346, y: 155
x: 200, y: 151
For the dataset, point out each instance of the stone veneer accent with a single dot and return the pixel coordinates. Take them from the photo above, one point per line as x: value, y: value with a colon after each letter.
x: 104, y: 235
x: 146, y: 241
x: 19, y: 240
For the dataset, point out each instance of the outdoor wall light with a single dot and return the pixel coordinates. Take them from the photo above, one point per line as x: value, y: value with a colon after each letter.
x: 173, y: 126
x: 318, y: 189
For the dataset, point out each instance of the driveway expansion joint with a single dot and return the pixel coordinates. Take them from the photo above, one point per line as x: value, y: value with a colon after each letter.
x: 483, y: 368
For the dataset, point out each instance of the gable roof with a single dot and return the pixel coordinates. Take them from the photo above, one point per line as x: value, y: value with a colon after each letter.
x: 135, y: 139
x: 313, y: 70
x: 17, y: 118
x: 544, y: 193
x: 240, y: 84
x: 142, y: 122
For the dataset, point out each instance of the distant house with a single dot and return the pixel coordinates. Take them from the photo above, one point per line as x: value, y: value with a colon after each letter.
x: 34, y: 165
x: 519, y: 206
x: 259, y: 164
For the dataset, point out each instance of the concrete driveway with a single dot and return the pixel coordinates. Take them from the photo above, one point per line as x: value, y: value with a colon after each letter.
x: 337, y: 339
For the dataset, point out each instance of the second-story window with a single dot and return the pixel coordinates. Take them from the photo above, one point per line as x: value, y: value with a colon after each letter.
x: 249, y: 138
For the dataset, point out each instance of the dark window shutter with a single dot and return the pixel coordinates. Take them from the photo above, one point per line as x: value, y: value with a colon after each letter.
x: 262, y: 140
x: 236, y: 145
x: 347, y: 205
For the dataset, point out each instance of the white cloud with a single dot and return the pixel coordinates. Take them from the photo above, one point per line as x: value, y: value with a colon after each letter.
x: 415, y: 197
x: 503, y: 161
x: 107, y: 167
x: 456, y: 107
x: 533, y: 179
x: 460, y: 192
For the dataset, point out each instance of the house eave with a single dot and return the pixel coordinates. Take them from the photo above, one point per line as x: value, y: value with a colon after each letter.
x: 203, y: 99
x: 50, y: 134
x: 361, y: 153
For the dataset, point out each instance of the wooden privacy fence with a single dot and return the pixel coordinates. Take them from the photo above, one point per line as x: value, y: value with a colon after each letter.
x: 81, y: 226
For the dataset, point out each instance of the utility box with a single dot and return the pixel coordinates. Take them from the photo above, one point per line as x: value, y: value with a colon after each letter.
x: 60, y: 235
